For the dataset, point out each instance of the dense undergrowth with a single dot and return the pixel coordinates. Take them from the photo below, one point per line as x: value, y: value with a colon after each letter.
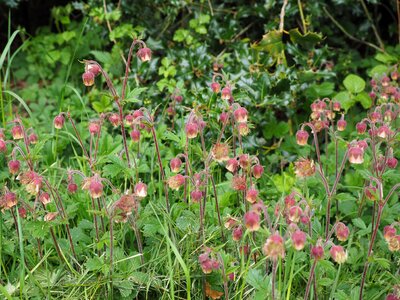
x: 202, y: 161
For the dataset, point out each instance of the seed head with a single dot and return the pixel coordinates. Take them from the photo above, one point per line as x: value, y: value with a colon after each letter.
x: 220, y: 152
x: 239, y: 183
x: 304, y: 167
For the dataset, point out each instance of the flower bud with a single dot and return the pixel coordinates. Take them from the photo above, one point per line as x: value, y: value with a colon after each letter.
x: 244, y: 161
x: 14, y: 166
x: 361, y: 127
x: 22, y: 212
x: 252, y: 195
x: 88, y: 78
x: 59, y: 122
x: 258, y: 170
x: 192, y: 130
x: 216, y: 87
x: 114, y: 119
x: 385, y: 81
x: 226, y: 93
x: 342, y: 232
x: 93, y: 68
x: 240, y: 115
x: 144, y: 54
x: 175, y: 164
x: 72, y: 187
x: 178, y: 98
x: 224, y: 117
x: 337, y: 106
x: 3, y: 146
x: 33, y: 138
x: 298, y: 239
x: 237, y: 233
x: 196, y: 195
x: 302, y: 137
x: 94, y: 128
x: 252, y: 221
x: 135, y: 135
x: 375, y: 116
x: 17, y: 132
x: 341, y: 125
x: 392, y: 162
x: 317, y: 252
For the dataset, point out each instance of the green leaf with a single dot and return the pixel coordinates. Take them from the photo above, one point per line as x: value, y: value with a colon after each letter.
x: 271, y: 42
x: 102, y: 56
x: 378, y: 70
x: 359, y: 223
x: 258, y: 280
x: 386, y: 58
x: 345, y: 100
x: 310, y: 39
x: 133, y: 94
x: 354, y: 84
x: 364, y: 99
x: 94, y: 264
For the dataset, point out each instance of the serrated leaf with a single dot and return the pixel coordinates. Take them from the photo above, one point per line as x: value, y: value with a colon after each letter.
x: 133, y: 94
x: 94, y: 264
x: 310, y: 39
x: 359, y: 223
x: 102, y: 56
x: 258, y: 280
x: 354, y: 84
x: 383, y: 262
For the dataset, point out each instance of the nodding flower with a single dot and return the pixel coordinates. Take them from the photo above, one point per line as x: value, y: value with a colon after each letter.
x: 59, y: 122
x: 252, y: 221
x: 274, y: 247
x: 302, y: 137
x: 144, y: 54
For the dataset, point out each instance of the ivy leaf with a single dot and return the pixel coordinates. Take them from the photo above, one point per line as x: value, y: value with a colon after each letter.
x: 354, y: 84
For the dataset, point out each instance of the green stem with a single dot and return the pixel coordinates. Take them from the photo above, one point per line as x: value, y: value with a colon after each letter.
x: 336, y: 282
x: 303, y: 21
x: 22, y: 256
x: 291, y: 276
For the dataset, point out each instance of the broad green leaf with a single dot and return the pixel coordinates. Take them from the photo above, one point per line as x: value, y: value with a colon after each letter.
x: 386, y: 58
x: 359, y: 223
x: 345, y: 100
x: 364, y: 99
x: 378, y: 70
x: 354, y: 84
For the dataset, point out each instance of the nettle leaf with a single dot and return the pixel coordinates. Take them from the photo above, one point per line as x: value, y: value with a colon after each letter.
x: 359, y: 223
x: 94, y: 264
x: 102, y: 56
x: 354, y: 84
x: 133, y: 94
x: 309, y: 40
x: 258, y: 280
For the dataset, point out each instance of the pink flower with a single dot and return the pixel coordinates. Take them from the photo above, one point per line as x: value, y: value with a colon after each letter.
x: 59, y: 122
x: 144, y: 54
x: 298, y: 239
x: 216, y: 87
x: 175, y: 164
x: 226, y: 93
x: 274, y: 247
x: 140, y: 189
x: 252, y: 195
x: 339, y: 255
x: 302, y: 137
x: 14, y: 166
x: 252, y: 221
x: 175, y: 182
x: 88, y: 78
x: 17, y: 132
x: 192, y: 130
x: 317, y: 252
x: 240, y: 115
x: 342, y: 232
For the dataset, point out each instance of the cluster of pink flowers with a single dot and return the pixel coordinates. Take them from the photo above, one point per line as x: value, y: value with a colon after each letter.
x: 207, y: 262
x: 392, y: 238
